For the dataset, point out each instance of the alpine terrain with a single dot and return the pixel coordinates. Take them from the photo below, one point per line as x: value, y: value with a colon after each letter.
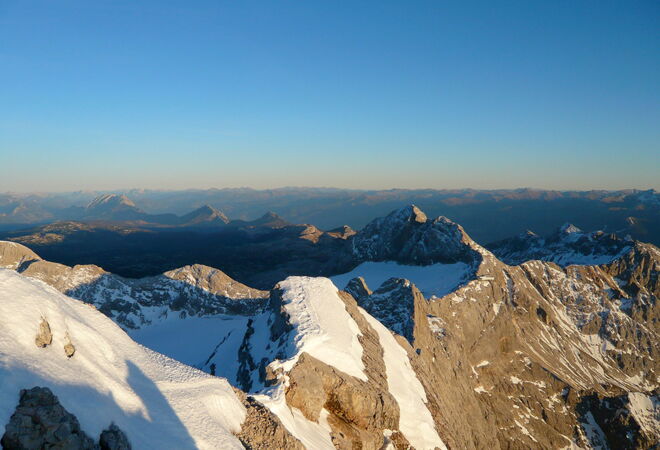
x: 404, y: 334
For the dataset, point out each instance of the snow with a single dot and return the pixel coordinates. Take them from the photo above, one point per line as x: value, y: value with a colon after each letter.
x: 156, y: 401
x: 324, y: 329
x: 312, y: 435
x: 415, y: 422
x: 433, y: 280
x: 194, y: 340
x: 646, y: 411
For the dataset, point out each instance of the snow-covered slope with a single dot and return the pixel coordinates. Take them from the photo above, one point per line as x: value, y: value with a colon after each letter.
x: 156, y: 401
x: 416, y: 422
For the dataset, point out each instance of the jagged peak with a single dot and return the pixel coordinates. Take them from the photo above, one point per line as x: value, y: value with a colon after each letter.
x: 409, y: 213
x: 569, y: 228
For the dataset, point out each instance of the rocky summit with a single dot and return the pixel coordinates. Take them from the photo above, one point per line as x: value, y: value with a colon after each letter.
x: 415, y: 336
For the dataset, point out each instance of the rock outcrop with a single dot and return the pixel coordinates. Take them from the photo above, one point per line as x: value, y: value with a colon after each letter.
x: 40, y: 421
x: 44, y: 336
x: 113, y: 438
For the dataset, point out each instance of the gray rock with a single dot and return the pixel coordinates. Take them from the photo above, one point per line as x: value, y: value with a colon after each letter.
x: 40, y: 422
x: 113, y: 438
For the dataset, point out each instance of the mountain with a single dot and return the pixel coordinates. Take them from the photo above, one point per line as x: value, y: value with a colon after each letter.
x: 373, y: 397
x: 204, y: 216
x: 567, y: 245
x: 487, y: 215
x: 407, y: 236
x: 189, y: 291
x: 113, y: 207
x: 433, y: 341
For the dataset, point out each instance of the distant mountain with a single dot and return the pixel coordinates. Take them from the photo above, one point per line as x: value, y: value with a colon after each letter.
x: 488, y: 215
x: 567, y: 245
x: 204, y: 216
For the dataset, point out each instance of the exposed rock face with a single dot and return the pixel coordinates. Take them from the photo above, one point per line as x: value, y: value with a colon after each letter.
x: 44, y: 336
x: 409, y: 237
x: 567, y: 245
x: 41, y: 422
x: 14, y: 256
x: 113, y: 438
x: 392, y: 303
x: 262, y: 430
x: 188, y: 291
x: 530, y: 344
x: 358, y: 288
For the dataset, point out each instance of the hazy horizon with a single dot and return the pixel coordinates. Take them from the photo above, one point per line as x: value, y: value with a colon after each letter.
x: 560, y: 95
x: 329, y: 188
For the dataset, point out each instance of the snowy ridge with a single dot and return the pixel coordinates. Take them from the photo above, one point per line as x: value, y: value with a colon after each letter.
x: 324, y: 329
x: 156, y: 401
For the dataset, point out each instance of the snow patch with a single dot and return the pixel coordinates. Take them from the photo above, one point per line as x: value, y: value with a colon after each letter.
x: 434, y: 280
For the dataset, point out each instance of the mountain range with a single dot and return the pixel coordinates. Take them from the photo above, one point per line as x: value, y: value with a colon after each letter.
x: 410, y: 335
x: 488, y: 215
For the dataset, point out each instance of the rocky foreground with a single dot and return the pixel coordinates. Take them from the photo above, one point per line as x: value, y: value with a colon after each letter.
x: 453, y: 349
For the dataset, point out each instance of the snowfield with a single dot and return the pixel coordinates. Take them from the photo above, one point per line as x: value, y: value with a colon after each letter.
x: 434, y: 280
x: 156, y: 401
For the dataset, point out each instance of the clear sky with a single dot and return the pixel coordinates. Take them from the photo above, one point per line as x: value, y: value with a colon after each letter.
x: 179, y: 94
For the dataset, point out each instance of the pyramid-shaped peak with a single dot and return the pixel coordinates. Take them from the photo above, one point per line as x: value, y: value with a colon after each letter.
x: 111, y: 200
x: 205, y: 214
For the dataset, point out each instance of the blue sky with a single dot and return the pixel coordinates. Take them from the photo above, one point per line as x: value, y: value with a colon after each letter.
x: 179, y: 94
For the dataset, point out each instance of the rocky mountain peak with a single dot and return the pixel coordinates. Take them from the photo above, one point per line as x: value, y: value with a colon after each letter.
x: 567, y: 245
x: 407, y: 236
